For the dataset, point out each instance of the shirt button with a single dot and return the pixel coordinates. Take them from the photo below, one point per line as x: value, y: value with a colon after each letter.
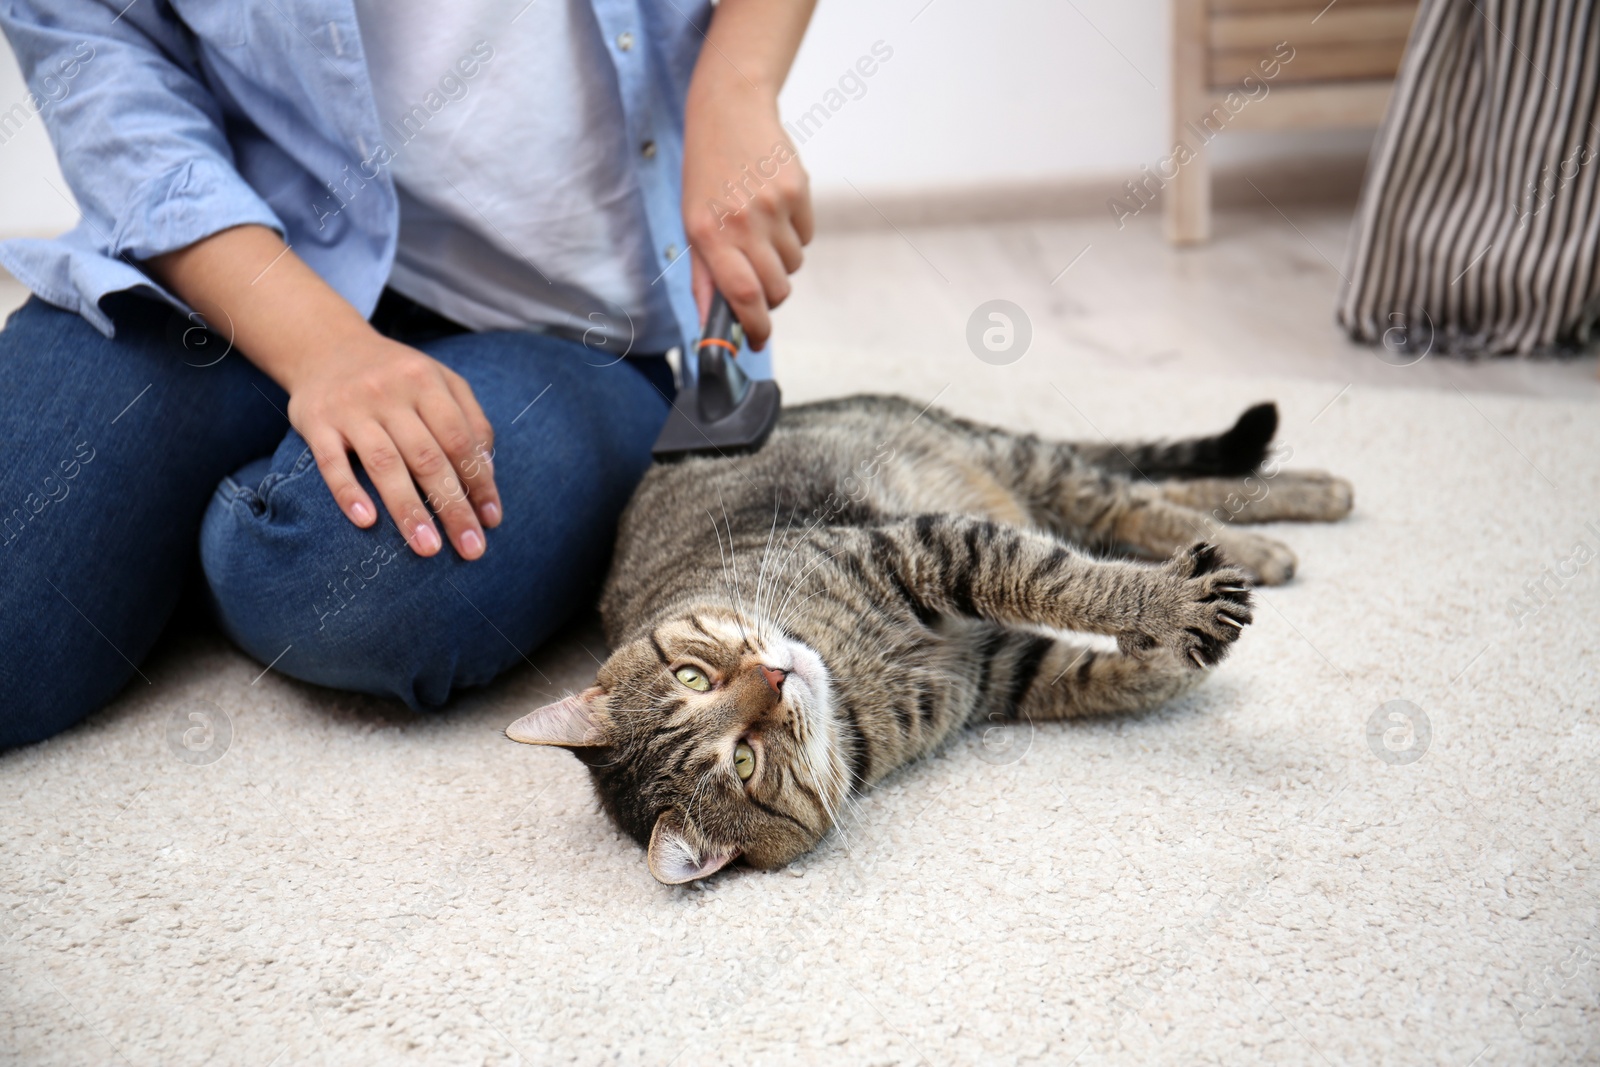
x: 624, y: 41
x: 672, y: 252
x: 648, y: 150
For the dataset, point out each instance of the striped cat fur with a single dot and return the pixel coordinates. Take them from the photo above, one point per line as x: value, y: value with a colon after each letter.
x: 791, y: 626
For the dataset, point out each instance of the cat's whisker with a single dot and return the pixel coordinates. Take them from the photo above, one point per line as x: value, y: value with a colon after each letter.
x: 694, y: 796
x: 795, y: 610
x: 795, y: 585
x: 730, y: 578
x: 766, y: 551
x: 849, y: 814
x: 798, y: 541
x: 738, y: 591
x: 846, y: 806
x: 802, y: 539
x: 788, y: 528
x: 831, y: 787
x: 764, y: 607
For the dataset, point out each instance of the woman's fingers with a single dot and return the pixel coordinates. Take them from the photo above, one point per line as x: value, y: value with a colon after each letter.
x: 435, y: 473
x: 750, y: 263
x: 769, y: 268
x: 786, y: 240
x: 738, y: 281
x: 328, y: 448
x: 700, y: 283
x: 384, y: 463
x: 476, y: 468
x: 800, y: 215
x: 420, y: 435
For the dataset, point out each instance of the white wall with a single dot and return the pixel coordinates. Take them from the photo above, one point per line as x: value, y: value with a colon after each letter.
x: 982, y: 91
x: 28, y: 205
x: 975, y: 92
x: 987, y: 91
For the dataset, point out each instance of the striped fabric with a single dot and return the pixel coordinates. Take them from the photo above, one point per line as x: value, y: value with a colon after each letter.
x: 1478, y: 231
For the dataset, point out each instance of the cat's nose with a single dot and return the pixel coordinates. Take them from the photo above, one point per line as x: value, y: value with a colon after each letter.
x: 774, y: 678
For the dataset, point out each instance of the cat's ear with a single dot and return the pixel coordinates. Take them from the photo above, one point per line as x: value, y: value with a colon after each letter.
x: 578, y: 721
x: 675, y: 858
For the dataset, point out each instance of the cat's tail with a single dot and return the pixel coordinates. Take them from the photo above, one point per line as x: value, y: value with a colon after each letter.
x: 1236, y: 452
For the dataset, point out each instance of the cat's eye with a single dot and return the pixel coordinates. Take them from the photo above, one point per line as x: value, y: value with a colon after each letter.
x: 693, y: 677
x: 744, y: 761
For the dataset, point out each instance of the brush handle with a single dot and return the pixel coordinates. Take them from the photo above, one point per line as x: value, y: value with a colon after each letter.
x: 721, y: 325
x: 722, y: 384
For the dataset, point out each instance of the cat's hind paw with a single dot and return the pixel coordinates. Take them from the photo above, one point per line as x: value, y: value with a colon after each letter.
x: 1202, y: 607
x: 1265, y: 561
x: 1317, y: 496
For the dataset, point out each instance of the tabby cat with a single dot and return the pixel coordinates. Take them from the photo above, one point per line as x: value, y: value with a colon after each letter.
x: 792, y: 626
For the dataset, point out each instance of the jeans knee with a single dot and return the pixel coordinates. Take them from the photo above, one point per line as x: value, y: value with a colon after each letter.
x: 306, y: 592
x: 301, y: 588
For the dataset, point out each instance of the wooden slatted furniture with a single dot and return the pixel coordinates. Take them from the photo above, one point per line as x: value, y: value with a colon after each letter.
x: 1344, y: 56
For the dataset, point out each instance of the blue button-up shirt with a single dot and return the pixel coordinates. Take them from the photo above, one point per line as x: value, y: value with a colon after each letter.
x: 182, y: 118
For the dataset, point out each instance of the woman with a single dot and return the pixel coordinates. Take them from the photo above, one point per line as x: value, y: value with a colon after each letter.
x: 369, y: 302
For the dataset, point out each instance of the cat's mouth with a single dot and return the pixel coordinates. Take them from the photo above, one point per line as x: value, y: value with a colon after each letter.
x: 806, y: 688
x: 807, y: 695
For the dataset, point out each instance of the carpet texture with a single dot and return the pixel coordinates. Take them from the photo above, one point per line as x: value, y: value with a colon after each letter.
x: 1285, y: 866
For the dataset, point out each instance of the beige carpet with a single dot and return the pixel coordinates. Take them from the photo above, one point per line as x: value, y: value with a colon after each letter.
x: 1243, y: 877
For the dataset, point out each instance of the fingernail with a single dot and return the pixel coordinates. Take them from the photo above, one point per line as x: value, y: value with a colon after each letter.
x: 426, y: 539
x: 361, y: 513
x: 490, y: 513
x: 472, y: 544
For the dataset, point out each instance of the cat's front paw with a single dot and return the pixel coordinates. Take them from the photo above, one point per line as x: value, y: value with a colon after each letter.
x: 1200, y: 607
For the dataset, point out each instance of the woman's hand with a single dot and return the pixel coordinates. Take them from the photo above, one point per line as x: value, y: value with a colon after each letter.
x: 412, y: 421
x: 746, y: 241
x: 746, y: 198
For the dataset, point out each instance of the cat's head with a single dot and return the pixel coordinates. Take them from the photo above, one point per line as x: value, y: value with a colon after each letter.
x: 710, y: 738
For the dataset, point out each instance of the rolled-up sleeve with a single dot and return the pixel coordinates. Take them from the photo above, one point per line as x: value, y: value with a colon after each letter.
x: 140, y: 138
x: 178, y: 207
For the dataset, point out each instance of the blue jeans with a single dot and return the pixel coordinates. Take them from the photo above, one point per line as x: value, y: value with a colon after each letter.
x: 127, y: 463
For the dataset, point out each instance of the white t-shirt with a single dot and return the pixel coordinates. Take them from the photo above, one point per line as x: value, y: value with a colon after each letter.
x: 519, y: 207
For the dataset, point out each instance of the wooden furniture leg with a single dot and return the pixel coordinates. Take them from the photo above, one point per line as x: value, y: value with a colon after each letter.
x: 1188, y: 196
